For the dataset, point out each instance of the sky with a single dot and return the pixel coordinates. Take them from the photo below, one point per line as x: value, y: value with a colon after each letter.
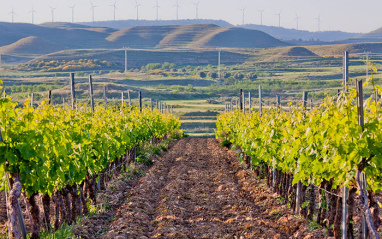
x: 345, y: 15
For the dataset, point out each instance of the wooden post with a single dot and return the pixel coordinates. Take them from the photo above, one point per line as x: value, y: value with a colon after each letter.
x: 140, y: 100
x: 125, y: 59
x: 32, y: 99
x: 122, y: 100
x: 105, y: 96
x: 50, y: 97
x: 231, y: 105
x: 278, y: 102
x: 249, y: 102
x: 240, y: 100
x: 361, y: 122
x: 91, y: 94
x: 151, y: 105
x: 157, y: 105
x: 128, y: 96
x: 345, y: 70
x: 311, y: 104
x: 260, y: 101
x: 304, y: 99
x: 243, y: 101
x: 72, y: 90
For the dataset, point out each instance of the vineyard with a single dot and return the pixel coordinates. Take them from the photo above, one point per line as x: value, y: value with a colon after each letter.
x: 54, y: 150
x: 328, y: 150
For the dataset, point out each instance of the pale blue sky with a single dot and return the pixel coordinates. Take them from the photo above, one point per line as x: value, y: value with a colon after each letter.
x: 345, y: 15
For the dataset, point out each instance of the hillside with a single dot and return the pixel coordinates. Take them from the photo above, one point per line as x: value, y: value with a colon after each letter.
x: 352, y: 48
x: 191, y: 36
x: 293, y: 34
x: 139, y: 58
x: 31, y: 45
x: 76, y: 36
x: 122, y: 24
x: 291, y: 53
x: 67, y: 38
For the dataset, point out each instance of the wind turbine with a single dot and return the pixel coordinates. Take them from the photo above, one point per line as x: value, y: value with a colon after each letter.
x: 92, y: 9
x: 297, y: 18
x: 177, y: 9
x: 197, y: 9
x: 157, y: 7
x: 137, y: 7
x: 52, y: 11
x: 243, y: 11
x: 114, y: 8
x: 72, y: 7
x: 318, y: 21
x: 261, y: 16
x: 279, y: 14
x: 12, y: 13
x: 32, y: 12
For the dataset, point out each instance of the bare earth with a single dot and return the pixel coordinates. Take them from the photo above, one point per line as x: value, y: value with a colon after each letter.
x: 200, y: 190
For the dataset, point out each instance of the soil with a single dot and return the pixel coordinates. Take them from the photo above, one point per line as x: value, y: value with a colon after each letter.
x: 196, y: 190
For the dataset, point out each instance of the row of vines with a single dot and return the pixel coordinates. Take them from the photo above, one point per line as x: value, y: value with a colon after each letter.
x: 53, y: 151
x: 319, y: 152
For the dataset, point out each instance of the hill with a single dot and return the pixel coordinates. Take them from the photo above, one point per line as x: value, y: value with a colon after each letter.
x: 352, y: 48
x: 139, y: 58
x: 373, y: 36
x: 66, y: 37
x: 290, y: 53
x: 77, y: 36
x: 122, y: 24
x: 293, y: 34
x: 192, y: 36
x: 31, y: 45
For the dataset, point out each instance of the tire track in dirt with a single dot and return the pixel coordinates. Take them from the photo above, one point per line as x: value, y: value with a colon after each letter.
x: 191, y: 192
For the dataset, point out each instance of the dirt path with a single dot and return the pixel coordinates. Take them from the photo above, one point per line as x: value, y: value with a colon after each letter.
x: 195, y: 191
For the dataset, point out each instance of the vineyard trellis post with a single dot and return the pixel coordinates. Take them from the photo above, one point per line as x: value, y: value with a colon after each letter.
x: 157, y: 105
x: 140, y: 100
x: 249, y: 102
x: 21, y: 223
x: 104, y: 95
x: 91, y: 94
x: 122, y: 101
x: 151, y: 104
x: 50, y: 97
x: 32, y: 99
x: 362, y: 176
x: 240, y: 100
x: 345, y: 69
x: 128, y: 96
x: 72, y: 90
x: 260, y: 101
x: 278, y: 102
x: 311, y: 104
x: 299, y: 184
x: 231, y: 105
x: 243, y: 101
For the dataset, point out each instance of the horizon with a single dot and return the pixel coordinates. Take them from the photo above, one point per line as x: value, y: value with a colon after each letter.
x: 308, y: 12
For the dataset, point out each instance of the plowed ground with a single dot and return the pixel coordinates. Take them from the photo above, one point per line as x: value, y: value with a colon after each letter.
x: 200, y: 190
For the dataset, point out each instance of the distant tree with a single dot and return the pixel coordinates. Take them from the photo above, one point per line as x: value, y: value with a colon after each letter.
x: 251, y: 76
x: 152, y: 66
x: 168, y: 66
x: 229, y: 81
x: 202, y: 74
x: 212, y: 75
x: 225, y: 75
x: 238, y: 76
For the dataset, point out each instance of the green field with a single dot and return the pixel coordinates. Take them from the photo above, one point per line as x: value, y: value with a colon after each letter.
x: 197, y: 98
